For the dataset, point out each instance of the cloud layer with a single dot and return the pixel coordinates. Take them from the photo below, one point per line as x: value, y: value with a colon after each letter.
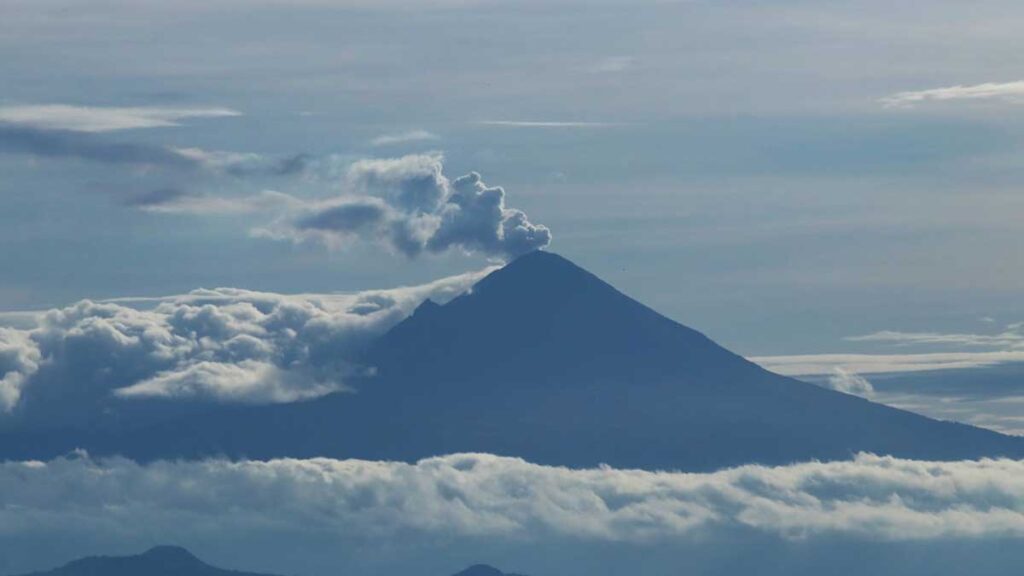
x: 1008, y: 91
x: 1003, y: 346
x: 817, y: 364
x: 103, y: 119
x: 480, y: 495
x: 404, y: 138
x: 225, y: 345
x: 408, y: 205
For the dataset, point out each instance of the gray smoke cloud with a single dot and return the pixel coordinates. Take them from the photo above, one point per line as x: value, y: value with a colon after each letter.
x: 408, y: 205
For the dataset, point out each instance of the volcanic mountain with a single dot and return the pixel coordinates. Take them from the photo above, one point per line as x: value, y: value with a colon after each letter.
x: 543, y: 360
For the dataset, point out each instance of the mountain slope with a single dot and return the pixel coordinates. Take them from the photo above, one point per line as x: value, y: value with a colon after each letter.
x: 552, y: 363
x: 159, y: 561
x: 545, y: 361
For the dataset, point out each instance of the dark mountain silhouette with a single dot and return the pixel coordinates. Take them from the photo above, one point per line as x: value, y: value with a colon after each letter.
x: 545, y: 361
x: 484, y: 570
x: 177, y: 561
x: 159, y: 561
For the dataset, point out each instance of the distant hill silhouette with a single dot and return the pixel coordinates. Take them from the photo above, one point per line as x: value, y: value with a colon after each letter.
x: 176, y: 561
x: 543, y: 360
x: 484, y: 570
x: 158, y: 561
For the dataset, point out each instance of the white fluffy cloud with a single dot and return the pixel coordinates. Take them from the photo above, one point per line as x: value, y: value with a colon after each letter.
x: 483, y: 495
x: 226, y: 345
x: 408, y: 205
x: 19, y: 360
x: 103, y: 119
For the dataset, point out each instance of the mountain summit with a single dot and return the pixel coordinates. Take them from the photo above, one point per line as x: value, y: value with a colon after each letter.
x: 545, y: 361
x: 543, y: 321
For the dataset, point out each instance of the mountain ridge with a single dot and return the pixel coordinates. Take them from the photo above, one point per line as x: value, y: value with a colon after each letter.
x: 177, y: 561
x: 157, y: 561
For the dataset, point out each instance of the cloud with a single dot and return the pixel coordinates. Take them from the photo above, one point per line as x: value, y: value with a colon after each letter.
x: 404, y: 138
x: 481, y: 495
x: 247, y: 163
x: 847, y: 382
x: 543, y: 124
x: 818, y: 364
x: 612, y: 64
x: 223, y: 345
x: 158, y: 197
x: 67, y: 144
x: 180, y: 201
x: 995, y: 410
x: 103, y: 119
x: 1005, y: 346
x: 408, y: 205
x: 247, y: 381
x: 19, y: 360
x: 1011, y: 338
x: 89, y: 147
x: 1007, y: 91
x: 73, y: 132
x: 977, y: 387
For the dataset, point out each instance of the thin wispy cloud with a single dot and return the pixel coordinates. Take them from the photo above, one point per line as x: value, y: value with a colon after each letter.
x: 179, y: 201
x: 1007, y: 91
x: 821, y: 364
x: 104, y: 119
x: 74, y: 145
x: 939, y: 357
x: 983, y: 350
x: 404, y: 138
x: 612, y: 64
x: 1010, y: 338
x: 544, y: 124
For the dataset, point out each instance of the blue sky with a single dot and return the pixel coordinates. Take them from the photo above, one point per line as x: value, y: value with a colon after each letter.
x: 780, y: 175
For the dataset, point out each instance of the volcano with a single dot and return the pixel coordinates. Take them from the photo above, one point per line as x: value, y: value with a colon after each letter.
x: 545, y: 361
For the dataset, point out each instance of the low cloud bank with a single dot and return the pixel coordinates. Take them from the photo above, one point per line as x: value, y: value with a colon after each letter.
x: 480, y: 495
x: 225, y: 345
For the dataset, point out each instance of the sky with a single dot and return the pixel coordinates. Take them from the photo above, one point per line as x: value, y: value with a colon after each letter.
x: 220, y: 200
x: 791, y: 178
x: 780, y: 175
